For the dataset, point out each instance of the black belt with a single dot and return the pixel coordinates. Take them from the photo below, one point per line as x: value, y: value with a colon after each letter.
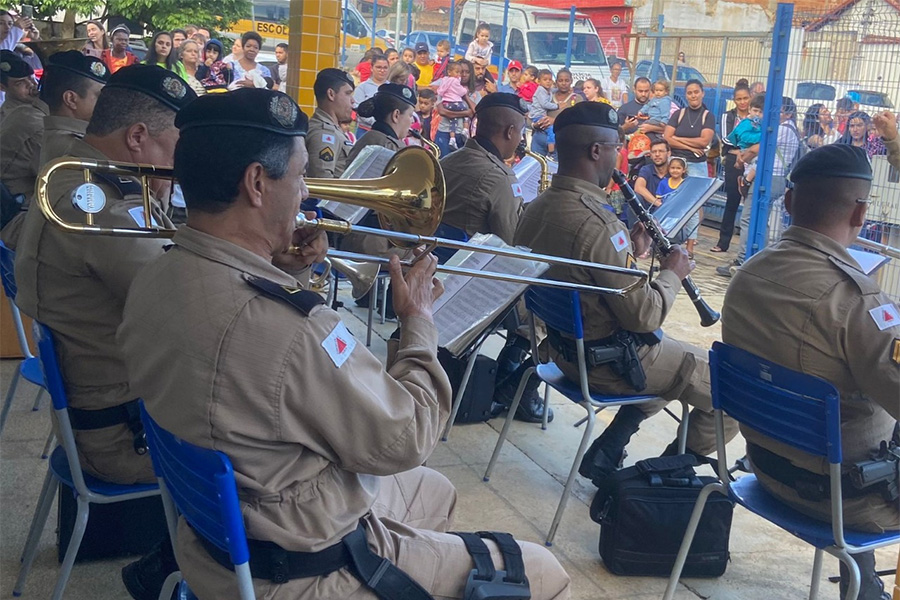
x: 813, y: 487
x: 566, y: 347
x: 272, y: 562
x: 128, y: 414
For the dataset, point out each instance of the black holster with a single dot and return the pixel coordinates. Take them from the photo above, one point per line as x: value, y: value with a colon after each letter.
x: 618, y: 351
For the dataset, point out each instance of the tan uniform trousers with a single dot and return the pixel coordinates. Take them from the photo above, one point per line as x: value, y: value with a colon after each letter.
x: 407, y: 525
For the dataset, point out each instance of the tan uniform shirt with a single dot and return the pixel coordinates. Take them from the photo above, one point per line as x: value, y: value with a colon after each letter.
x: 21, y: 130
x: 374, y: 138
x: 307, y: 415
x: 328, y: 147
x: 893, y: 148
x: 59, y: 133
x: 77, y: 285
x: 483, y: 194
x: 803, y: 303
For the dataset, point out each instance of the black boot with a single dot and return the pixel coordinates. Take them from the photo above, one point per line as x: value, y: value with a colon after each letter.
x: 513, y: 354
x: 531, y: 406
x: 607, y: 452
x: 144, y: 578
x: 870, y: 587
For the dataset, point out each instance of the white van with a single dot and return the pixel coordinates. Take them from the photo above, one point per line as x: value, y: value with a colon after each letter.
x: 536, y: 36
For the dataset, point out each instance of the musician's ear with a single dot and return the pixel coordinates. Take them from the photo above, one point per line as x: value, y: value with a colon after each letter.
x: 788, y: 200
x: 596, y: 151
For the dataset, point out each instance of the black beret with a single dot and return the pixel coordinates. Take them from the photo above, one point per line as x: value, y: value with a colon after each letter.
x: 595, y: 114
x: 331, y: 75
x: 834, y: 160
x: 12, y: 65
x: 502, y: 99
x: 156, y: 82
x: 403, y: 92
x: 251, y: 108
x: 76, y: 62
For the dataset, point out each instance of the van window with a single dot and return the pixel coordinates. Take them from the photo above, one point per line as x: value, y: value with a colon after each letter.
x: 515, y: 48
x: 550, y: 47
x: 467, y: 34
x: 810, y: 90
x: 353, y: 25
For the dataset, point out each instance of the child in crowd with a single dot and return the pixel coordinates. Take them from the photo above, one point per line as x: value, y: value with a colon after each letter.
x: 347, y: 128
x: 659, y: 109
x: 748, y: 133
x: 527, y: 84
x: 408, y: 56
x: 219, y: 74
x: 281, y: 55
x: 481, y: 46
x: 454, y: 96
x: 443, y: 59
x: 425, y: 110
x: 677, y: 172
x: 542, y: 102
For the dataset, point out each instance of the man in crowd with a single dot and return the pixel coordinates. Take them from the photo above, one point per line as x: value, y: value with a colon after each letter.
x: 118, y: 55
x: 652, y: 173
x: 281, y: 72
x: 886, y: 125
x: 629, y: 111
x: 484, y: 82
x: 368, y: 88
x: 327, y: 143
x: 804, y: 303
x: 424, y: 64
x: 513, y: 75
x: 326, y: 463
x: 757, y: 88
x: 70, y: 87
x: 21, y: 128
x: 573, y: 219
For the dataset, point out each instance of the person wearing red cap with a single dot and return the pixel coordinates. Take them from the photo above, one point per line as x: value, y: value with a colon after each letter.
x: 513, y: 75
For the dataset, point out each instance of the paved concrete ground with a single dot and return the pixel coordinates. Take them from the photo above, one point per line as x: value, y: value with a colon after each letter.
x: 767, y: 564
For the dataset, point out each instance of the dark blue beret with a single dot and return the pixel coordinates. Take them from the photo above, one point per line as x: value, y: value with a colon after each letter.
x: 76, y: 62
x: 834, y: 160
x: 402, y: 92
x: 12, y: 65
x: 156, y: 82
x: 502, y: 99
x: 250, y: 108
x: 331, y: 75
x: 595, y: 114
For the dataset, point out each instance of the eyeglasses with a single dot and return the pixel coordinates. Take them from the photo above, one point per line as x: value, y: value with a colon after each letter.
x: 615, y: 145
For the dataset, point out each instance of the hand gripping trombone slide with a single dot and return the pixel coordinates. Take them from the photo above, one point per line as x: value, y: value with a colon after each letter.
x: 708, y: 316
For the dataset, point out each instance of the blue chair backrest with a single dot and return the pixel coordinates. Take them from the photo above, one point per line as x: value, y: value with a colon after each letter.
x: 201, y: 483
x: 8, y: 271
x: 559, y: 309
x: 451, y: 233
x: 50, y: 366
x: 796, y: 409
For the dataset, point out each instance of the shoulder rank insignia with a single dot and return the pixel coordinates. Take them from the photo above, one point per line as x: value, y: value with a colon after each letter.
x: 302, y: 300
x: 895, y: 351
x: 630, y: 262
x: 326, y: 154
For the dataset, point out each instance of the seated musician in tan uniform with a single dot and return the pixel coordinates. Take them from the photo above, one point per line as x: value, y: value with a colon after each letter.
x: 328, y: 146
x: 805, y: 304
x: 326, y: 443
x: 573, y: 219
x: 21, y: 128
x: 76, y: 285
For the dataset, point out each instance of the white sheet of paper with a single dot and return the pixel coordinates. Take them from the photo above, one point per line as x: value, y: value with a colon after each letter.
x: 869, y: 262
x: 370, y: 164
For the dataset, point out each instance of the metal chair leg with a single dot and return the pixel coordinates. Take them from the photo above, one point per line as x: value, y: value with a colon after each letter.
x: 461, y: 392
x: 7, y: 403
x: 384, y: 294
x: 65, y: 568
x: 582, y: 420
x: 852, y: 589
x: 816, y: 574
x: 48, y: 446
x: 37, y: 399
x: 689, y: 537
x: 546, y: 416
x: 169, y: 586
x: 683, y: 427
x: 370, y: 319
x: 509, y: 419
x: 45, y: 501
x: 567, y: 489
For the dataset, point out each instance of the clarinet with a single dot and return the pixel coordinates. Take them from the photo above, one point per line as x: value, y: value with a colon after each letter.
x: 708, y: 316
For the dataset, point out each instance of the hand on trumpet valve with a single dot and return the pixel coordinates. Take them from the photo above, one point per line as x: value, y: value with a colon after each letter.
x: 415, y: 291
x: 308, y: 246
x: 678, y: 262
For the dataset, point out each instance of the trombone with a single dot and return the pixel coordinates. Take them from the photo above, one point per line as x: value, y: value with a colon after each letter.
x: 435, y: 149
x: 408, y: 200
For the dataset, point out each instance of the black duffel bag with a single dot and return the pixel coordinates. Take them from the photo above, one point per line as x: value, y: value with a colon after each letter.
x: 643, y: 512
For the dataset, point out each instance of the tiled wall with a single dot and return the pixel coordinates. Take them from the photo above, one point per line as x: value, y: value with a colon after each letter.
x: 315, y: 27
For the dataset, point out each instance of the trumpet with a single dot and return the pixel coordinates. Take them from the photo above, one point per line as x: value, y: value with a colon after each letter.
x: 435, y: 149
x: 408, y: 200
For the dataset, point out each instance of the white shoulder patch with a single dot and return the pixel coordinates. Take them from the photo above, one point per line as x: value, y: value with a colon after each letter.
x: 517, y: 190
x: 327, y: 138
x: 619, y: 241
x: 137, y: 213
x: 339, y: 344
x: 885, y: 316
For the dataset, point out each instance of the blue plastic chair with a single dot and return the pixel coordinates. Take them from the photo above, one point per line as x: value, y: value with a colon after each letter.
x: 448, y: 232
x: 560, y: 310
x: 199, y: 484
x: 803, y: 412
x: 65, y: 469
x: 29, y: 369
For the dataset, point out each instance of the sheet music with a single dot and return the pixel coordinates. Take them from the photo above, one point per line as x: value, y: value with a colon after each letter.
x: 528, y: 172
x: 869, y: 262
x: 470, y: 304
x: 681, y: 204
x: 371, y: 163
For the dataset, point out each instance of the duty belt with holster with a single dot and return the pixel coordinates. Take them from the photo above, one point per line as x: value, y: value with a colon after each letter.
x: 868, y: 477
x: 128, y: 413
x: 619, y: 352
x: 271, y: 562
